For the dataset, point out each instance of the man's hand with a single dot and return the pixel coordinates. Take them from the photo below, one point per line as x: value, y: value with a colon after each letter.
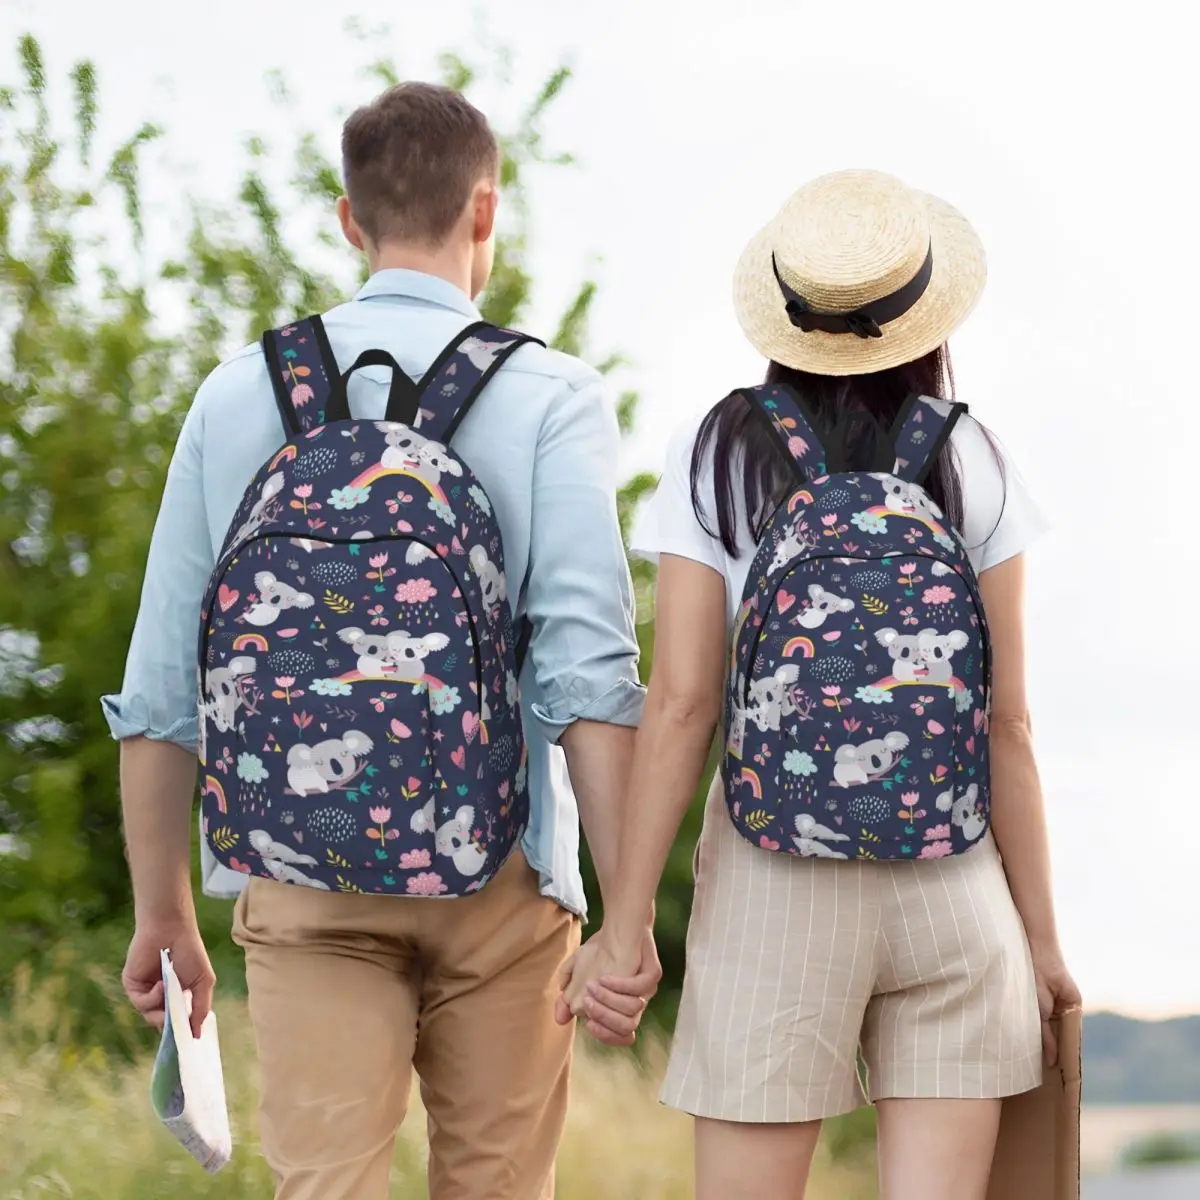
x: 609, y: 988
x: 142, y: 977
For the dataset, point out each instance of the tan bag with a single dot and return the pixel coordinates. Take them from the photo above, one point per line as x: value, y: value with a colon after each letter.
x: 1037, y: 1152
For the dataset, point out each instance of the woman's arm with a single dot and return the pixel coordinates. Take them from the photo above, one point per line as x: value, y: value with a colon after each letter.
x: 1018, y: 812
x: 683, y: 706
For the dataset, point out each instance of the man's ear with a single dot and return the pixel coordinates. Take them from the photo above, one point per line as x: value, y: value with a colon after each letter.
x: 350, y: 229
x: 486, y: 198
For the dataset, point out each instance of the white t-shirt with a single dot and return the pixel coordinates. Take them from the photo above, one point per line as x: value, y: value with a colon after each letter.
x: 1000, y: 518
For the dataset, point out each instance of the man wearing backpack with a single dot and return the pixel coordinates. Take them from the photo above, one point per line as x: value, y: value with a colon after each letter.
x: 362, y: 566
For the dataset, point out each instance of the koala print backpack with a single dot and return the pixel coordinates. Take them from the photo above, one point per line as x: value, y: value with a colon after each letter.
x: 359, y: 716
x: 856, y: 716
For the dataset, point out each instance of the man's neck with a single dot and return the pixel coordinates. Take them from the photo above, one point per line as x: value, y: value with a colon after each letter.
x: 448, y: 263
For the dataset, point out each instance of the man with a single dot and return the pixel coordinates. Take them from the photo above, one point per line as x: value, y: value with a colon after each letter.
x: 349, y: 992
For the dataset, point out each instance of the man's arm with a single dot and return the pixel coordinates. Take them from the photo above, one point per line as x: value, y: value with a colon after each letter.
x: 584, y: 649
x: 579, y: 598
x: 156, y: 720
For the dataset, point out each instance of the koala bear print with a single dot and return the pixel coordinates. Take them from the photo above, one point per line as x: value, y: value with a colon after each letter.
x: 811, y: 837
x: 936, y: 652
x: 268, y: 495
x: 434, y: 461
x: 482, y: 354
x: 770, y: 698
x: 223, y: 694
x: 966, y: 815
x: 372, y: 650
x: 791, y: 546
x: 282, y: 861
x: 822, y: 603
x: 853, y: 765
x: 407, y: 654
x: 453, y: 839
x: 274, y: 597
x: 328, y: 765
x: 404, y: 446
x: 491, y: 579
x: 908, y: 663
x: 904, y: 497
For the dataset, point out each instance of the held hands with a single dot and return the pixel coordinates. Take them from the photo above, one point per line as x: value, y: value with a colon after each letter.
x: 609, y: 987
x: 142, y: 977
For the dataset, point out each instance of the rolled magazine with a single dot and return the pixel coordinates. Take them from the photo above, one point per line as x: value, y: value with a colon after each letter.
x: 187, y: 1088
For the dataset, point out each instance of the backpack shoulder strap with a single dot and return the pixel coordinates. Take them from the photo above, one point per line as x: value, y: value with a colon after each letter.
x: 921, y: 430
x: 460, y: 373
x: 304, y: 374
x: 789, y: 419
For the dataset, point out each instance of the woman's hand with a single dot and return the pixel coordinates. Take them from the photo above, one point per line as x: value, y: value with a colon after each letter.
x: 1056, y: 992
x: 610, y: 987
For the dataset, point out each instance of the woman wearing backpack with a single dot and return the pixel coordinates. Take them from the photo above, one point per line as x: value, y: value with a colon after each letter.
x: 841, y: 579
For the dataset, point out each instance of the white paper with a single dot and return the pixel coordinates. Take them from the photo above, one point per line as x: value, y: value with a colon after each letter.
x: 187, y: 1088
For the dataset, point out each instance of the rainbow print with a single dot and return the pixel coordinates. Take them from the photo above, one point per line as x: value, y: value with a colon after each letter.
x: 287, y: 454
x: 799, y: 498
x: 378, y: 471
x: 212, y: 787
x: 751, y: 777
x: 802, y: 644
x: 250, y: 641
x: 882, y: 510
x: 954, y: 683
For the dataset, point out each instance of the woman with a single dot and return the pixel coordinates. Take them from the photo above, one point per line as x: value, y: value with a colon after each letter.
x: 935, y: 970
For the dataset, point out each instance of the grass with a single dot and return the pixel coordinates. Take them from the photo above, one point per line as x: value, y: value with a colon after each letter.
x: 76, y: 1123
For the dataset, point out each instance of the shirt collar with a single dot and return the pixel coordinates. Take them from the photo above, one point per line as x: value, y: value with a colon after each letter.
x: 415, y: 285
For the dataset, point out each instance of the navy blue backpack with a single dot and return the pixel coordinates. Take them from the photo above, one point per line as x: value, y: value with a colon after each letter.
x: 359, y: 717
x: 857, y: 708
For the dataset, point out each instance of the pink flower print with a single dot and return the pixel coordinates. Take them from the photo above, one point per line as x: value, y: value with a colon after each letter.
x: 302, y: 493
x: 938, y: 595
x: 302, y: 394
x: 936, y: 850
x: 910, y: 798
x: 937, y: 833
x: 379, y: 568
x: 830, y: 519
x: 428, y: 883
x: 381, y: 816
x: 377, y: 615
x: 907, y: 568
x: 415, y: 860
x: 415, y: 591
x: 909, y: 618
x: 285, y: 689
x: 797, y: 446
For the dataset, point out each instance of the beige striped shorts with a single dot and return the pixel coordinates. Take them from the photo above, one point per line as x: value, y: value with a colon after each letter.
x: 795, y: 966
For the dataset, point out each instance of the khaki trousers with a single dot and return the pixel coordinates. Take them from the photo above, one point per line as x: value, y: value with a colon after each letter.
x: 349, y: 993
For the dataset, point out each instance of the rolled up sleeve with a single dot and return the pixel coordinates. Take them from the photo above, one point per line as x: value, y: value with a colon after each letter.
x: 158, y: 695
x: 579, y: 595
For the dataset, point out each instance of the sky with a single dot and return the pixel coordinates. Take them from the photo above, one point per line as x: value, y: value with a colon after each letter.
x: 1067, y: 137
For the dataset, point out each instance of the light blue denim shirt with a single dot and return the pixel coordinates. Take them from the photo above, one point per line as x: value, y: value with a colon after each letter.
x: 543, y: 440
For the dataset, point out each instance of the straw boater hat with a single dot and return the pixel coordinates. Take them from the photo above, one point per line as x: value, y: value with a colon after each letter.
x: 857, y: 273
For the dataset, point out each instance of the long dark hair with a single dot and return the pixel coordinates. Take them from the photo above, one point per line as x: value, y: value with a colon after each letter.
x: 746, y: 455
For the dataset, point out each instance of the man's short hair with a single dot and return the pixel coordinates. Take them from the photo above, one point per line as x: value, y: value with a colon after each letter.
x: 410, y: 159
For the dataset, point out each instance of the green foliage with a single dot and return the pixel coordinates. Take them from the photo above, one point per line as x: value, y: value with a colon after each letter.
x: 1162, y: 1149
x: 93, y: 386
